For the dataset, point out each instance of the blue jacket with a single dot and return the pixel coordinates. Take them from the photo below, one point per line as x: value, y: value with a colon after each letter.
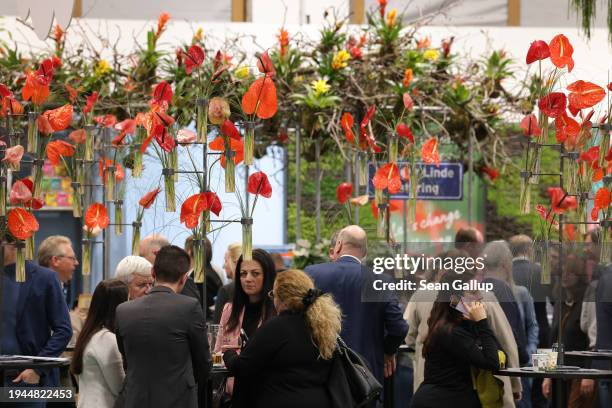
x: 370, y: 328
x: 43, y: 322
x: 603, y: 301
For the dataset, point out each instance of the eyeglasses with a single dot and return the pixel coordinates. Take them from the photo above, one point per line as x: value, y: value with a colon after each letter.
x: 271, y: 294
x: 72, y: 258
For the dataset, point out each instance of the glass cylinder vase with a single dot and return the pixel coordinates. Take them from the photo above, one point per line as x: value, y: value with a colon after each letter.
x: 393, y: 141
x: 169, y: 190
x: 3, y: 195
x: 77, y: 206
x: 230, y: 171
x: 141, y: 133
x: 118, y: 217
x: 201, y: 120
x: 381, y: 221
x: 86, y: 248
x: 249, y: 142
x: 29, y: 248
x: 88, y: 155
x: 20, y: 273
x: 136, y: 238
x: 38, y: 178
x: 33, y: 135
x: 109, y: 178
x: 247, y: 238
x: 605, y: 253
x: 198, y: 260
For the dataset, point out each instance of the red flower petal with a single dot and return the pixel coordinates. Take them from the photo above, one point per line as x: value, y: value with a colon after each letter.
x: 387, y: 176
x: 561, y: 52
x: 530, y: 127
x: 258, y: 184
x: 21, y: 223
x: 344, y: 191
x: 57, y: 149
x: 602, y: 198
x: 347, y: 122
x: 429, y: 151
x: 59, y: 118
x: 193, y: 59
x: 264, y: 64
x: 404, y: 131
x: 229, y: 129
x: 147, y: 200
x: 96, y: 216
x: 585, y: 94
x: 162, y: 92
x: 538, y: 50
x: 553, y: 104
x: 213, y: 202
x: 260, y: 98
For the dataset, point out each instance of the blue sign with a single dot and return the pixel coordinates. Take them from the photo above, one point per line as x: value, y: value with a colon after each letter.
x: 443, y: 182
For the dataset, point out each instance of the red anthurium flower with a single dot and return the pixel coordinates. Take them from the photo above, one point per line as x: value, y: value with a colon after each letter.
x: 561, y: 52
x: 408, y: 102
x: 530, y: 127
x: 598, y: 173
x: 388, y: 177
x: 429, y: 151
x: 213, y: 202
x: 59, y: 118
x: 553, y: 104
x: 13, y: 155
x: 78, y: 136
x: 566, y: 127
x: 147, y: 200
x: 229, y: 129
x: 5, y: 91
x: 162, y: 93
x: 21, y: 223
x: 367, y: 118
x: 537, y: 51
x: 590, y: 155
x: 404, y: 131
x: 236, y: 146
x: 394, y: 205
x: 585, y: 94
x: 569, y: 231
x: 96, y: 216
x: 558, y: 203
x: 11, y: 105
x: 164, y: 138
x: 102, y: 169
x: 91, y: 101
x: 594, y: 214
x: 491, y: 172
x: 106, y: 120
x: 125, y: 127
x: 260, y: 98
x: 264, y: 64
x: 193, y: 59
x: 57, y: 149
x: 344, y: 191
x: 192, y: 208
x: 34, y: 89
x: 347, y: 121
x: 258, y: 184
x: 602, y: 198
x: 610, y: 87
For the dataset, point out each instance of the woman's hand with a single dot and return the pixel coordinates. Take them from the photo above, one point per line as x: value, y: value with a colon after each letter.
x: 476, y: 310
x: 546, y: 387
x: 587, y: 386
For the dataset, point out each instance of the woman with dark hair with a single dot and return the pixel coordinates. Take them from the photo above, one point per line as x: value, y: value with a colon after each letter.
x: 455, y: 342
x: 251, y: 306
x: 96, y: 361
x: 574, y: 282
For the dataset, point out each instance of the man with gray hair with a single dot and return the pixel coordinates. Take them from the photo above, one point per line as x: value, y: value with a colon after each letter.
x: 136, y: 272
x: 56, y: 253
x: 373, y: 329
x: 150, y: 246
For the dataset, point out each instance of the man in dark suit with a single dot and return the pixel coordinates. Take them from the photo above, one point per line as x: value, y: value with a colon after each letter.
x: 35, y: 320
x: 373, y: 329
x: 163, y: 340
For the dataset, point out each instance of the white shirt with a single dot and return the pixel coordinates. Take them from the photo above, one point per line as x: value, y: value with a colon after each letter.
x: 103, y: 375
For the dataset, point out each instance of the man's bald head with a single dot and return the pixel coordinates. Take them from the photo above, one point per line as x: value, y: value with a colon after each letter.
x: 352, y: 240
x: 151, y: 244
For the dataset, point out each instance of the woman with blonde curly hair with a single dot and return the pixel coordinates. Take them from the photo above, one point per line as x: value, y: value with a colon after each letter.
x: 288, y: 360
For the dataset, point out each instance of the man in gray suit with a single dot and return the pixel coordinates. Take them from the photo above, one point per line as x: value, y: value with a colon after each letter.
x: 162, y: 339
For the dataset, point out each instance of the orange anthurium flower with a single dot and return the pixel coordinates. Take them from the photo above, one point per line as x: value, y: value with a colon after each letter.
x: 561, y: 52
x: 429, y: 151
x: 264, y: 64
x: 565, y: 127
x: 590, y: 155
x: 147, y: 200
x: 162, y: 93
x: 347, y: 122
x: 21, y: 223
x: 193, y: 58
x: 125, y: 127
x: 344, y: 191
x: 78, y: 136
x: 394, y: 205
x: 260, y: 98
x: 96, y: 216
x: 59, y: 118
x: 102, y: 170
x: 11, y: 105
x: 553, y: 104
x: 218, y: 144
x: 404, y: 131
x: 229, y: 129
x: 57, y: 149
x: 106, y: 120
x: 90, y: 102
x: 558, y: 203
x: 585, y: 94
x: 602, y: 198
x: 35, y: 89
x: 594, y: 214
x: 388, y: 177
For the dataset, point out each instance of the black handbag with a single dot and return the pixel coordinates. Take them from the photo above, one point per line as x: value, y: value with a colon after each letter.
x: 351, y: 383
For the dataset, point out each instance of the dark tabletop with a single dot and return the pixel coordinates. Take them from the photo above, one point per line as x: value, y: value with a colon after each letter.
x: 577, y: 373
x: 219, y: 370
x: 595, y: 355
x: 8, y: 362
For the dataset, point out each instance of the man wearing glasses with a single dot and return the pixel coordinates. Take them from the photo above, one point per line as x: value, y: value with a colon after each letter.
x: 56, y: 253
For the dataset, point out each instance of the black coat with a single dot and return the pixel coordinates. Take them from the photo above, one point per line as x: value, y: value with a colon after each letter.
x: 163, y: 342
x: 448, y: 378
x: 280, y: 367
x: 529, y: 275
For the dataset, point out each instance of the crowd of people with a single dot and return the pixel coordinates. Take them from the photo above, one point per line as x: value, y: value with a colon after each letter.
x: 142, y: 339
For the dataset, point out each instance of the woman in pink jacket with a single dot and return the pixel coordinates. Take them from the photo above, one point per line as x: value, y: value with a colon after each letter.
x: 251, y: 306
